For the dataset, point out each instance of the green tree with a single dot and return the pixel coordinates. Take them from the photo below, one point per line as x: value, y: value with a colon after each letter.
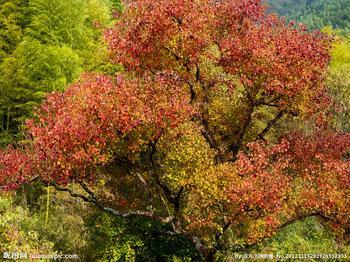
x: 339, y: 82
x: 18, y: 229
x: 12, y: 20
x: 45, y: 45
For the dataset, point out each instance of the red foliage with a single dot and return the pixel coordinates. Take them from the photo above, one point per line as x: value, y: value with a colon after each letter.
x: 144, y: 34
x: 261, y: 49
x: 15, y: 166
x: 74, y: 131
x: 300, y: 175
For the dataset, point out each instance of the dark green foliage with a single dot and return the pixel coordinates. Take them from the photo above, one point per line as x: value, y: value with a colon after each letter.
x: 116, y: 239
x: 321, y: 13
x: 316, y: 13
x: 285, y: 7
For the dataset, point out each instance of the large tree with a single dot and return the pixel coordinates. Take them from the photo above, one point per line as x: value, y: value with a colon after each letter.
x: 218, y: 127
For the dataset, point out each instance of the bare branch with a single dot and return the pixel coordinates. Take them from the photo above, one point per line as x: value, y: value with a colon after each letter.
x: 93, y: 200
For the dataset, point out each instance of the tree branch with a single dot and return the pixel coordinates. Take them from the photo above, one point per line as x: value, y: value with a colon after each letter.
x: 270, y: 124
x: 263, y: 102
x: 205, y: 119
x: 235, y: 147
x: 93, y: 200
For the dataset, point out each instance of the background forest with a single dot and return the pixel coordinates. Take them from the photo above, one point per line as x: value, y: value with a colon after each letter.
x: 315, y: 13
x: 47, y: 45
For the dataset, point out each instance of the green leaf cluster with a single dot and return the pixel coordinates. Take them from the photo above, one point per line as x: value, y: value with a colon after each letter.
x: 44, y: 46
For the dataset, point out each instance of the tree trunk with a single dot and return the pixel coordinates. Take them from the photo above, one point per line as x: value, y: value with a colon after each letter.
x: 210, y: 257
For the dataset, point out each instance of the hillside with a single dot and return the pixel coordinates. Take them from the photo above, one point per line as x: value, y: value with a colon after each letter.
x: 315, y: 13
x: 285, y: 7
